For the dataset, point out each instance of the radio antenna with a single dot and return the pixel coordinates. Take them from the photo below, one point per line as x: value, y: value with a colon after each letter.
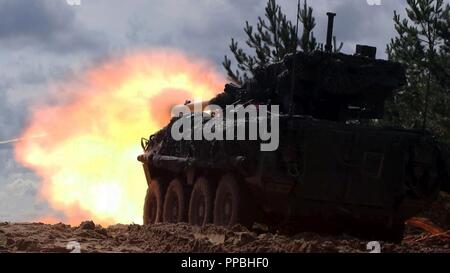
x: 291, y: 95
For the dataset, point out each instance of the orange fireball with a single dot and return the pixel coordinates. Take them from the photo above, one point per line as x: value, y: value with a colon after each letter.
x: 87, y: 161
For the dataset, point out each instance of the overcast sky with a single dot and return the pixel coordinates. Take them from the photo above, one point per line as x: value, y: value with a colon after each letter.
x: 47, y: 40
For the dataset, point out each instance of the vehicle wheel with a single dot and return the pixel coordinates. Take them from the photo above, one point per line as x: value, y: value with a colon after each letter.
x: 153, y: 203
x: 230, y: 207
x: 201, y: 203
x: 175, y: 203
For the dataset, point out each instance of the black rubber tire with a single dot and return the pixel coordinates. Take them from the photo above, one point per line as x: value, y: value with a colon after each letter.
x: 153, y: 205
x: 230, y: 205
x: 201, y: 203
x: 175, y: 204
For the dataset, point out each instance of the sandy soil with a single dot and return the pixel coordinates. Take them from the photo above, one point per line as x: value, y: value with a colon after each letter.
x: 38, y: 237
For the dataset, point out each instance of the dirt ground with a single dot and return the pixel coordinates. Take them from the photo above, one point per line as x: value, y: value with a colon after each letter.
x: 88, y: 237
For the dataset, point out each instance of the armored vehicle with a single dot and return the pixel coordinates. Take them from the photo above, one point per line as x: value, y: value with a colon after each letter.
x: 334, y: 169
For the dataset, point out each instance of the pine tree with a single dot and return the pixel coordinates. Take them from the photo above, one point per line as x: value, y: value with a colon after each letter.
x: 442, y: 68
x: 422, y: 46
x: 273, y: 38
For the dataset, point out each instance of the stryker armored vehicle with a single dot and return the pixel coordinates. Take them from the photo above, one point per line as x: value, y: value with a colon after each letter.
x: 335, y: 170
